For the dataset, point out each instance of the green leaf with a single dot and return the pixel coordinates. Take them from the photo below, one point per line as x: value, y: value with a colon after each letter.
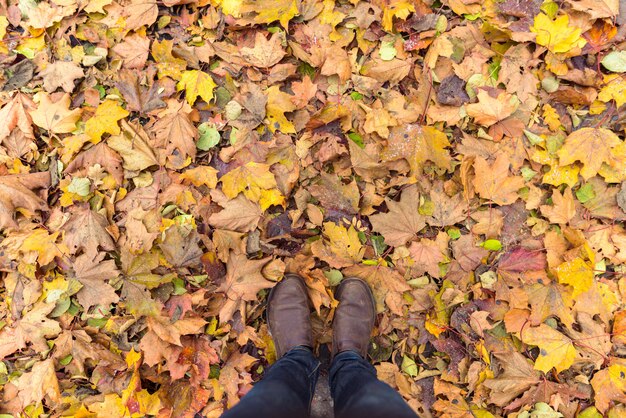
x: 387, y: 51
x: 615, y: 61
x: 585, y: 193
x: 408, y: 366
x: 454, y: 233
x: 80, y: 185
x: 356, y: 138
x: 591, y: 412
x: 66, y: 360
x: 209, y: 137
x: 334, y: 277
x: 378, y: 242
x: 355, y: 95
x: 492, y: 245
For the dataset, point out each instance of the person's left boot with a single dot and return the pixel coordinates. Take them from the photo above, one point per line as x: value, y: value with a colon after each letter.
x: 288, y: 312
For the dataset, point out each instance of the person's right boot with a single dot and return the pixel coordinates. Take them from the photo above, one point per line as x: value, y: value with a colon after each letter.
x: 288, y: 315
x: 354, y: 317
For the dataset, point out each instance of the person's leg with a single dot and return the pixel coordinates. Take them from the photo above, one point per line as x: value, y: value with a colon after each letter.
x: 285, y: 391
x: 287, y: 388
x: 358, y: 393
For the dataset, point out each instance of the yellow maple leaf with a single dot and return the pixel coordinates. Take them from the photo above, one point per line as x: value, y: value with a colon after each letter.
x: 557, y: 35
x: 577, y: 273
x: 418, y: 144
x: 167, y: 65
x: 201, y: 175
x: 256, y: 182
x: 490, y: 110
x: 272, y: 10
x: 196, y: 83
x: 551, y: 118
x: 229, y: 7
x: 394, y: 8
x: 592, y: 147
x: 555, y: 349
x: 105, y: 120
x: 55, y: 117
x: 44, y: 245
x: 278, y: 103
x: 614, y: 89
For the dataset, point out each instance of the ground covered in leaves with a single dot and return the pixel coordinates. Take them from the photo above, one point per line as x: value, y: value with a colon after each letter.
x: 163, y: 163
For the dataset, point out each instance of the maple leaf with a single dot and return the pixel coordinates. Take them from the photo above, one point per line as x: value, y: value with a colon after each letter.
x: 167, y: 65
x: 16, y: 193
x: 563, y: 208
x: 555, y: 349
x: 92, y: 273
x: 394, y: 8
x: 100, y: 154
x: 61, y: 74
x: 577, y: 273
x: 519, y: 259
x: 133, y: 145
x: 341, y: 246
x: 490, y: 110
x: 133, y: 50
x: 175, y: 133
x: 242, y: 283
x: 592, y: 147
x: 557, y: 35
x: 105, y: 120
x: 139, y: 13
x: 33, y: 327
x: 55, y: 117
x: 609, y: 385
x: 196, y: 83
x: 549, y: 300
x: 239, y: 214
x: 138, y: 97
x: 86, y: 230
x: 517, y: 377
x: 269, y: 11
x: 15, y: 114
x: 266, y: 53
x: 448, y: 210
x: 418, y: 144
x: 492, y: 181
x: 303, y: 91
x: 39, y: 384
x: 255, y: 181
x: 614, y: 89
x: 427, y: 255
x: 403, y: 221
x: 277, y: 104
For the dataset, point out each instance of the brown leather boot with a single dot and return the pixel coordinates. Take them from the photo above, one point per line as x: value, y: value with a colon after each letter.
x: 288, y: 313
x: 354, y: 317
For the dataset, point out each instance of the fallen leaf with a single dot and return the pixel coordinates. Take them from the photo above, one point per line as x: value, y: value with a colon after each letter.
x: 563, y: 208
x: 418, y: 144
x: 557, y: 35
x: 196, y: 83
x: 403, y: 221
x: 105, y: 120
x: 592, y: 147
x: 61, y: 74
x: 555, y: 349
x: 55, y: 117
x: 242, y: 283
x: 493, y: 182
x: 490, y: 110
x: 266, y: 52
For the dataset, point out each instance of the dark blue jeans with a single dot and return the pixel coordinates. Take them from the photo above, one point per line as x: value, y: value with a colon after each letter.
x: 287, y: 388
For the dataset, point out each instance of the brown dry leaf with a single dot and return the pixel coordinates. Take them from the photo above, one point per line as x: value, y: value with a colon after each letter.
x: 133, y: 146
x: 490, y: 110
x: 563, y: 208
x: 447, y: 210
x: 239, y: 214
x: 551, y: 300
x: 609, y: 385
x: 427, y: 255
x: 15, y: 114
x: 133, y: 50
x: 61, y: 74
x: 303, y: 92
x: 266, y: 52
x: 139, y: 98
x: 39, y: 384
x: 403, y: 221
x: 242, y: 283
x: 518, y: 375
x: 139, y: 13
x: 33, y: 327
x: 175, y: 134
x: 87, y: 230
x: 16, y: 193
x: 418, y: 144
x: 92, y: 273
x: 493, y: 182
x: 102, y: 155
